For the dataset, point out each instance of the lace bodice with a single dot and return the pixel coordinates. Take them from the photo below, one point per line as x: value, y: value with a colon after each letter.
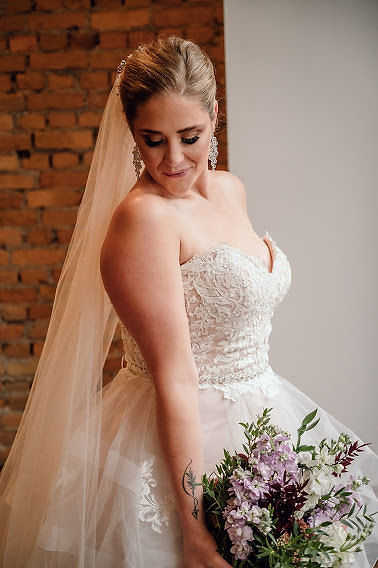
x: 230, y: 297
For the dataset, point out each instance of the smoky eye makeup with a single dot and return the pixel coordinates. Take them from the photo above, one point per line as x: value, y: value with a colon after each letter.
x: 185, y: 140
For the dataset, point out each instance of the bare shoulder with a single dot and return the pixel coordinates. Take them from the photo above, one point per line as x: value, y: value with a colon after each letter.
x: 141, y: 274
x: 233, y: 187
x: 142, y: 225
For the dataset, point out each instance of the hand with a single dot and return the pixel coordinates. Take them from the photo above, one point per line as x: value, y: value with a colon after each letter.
x: 200, y: 551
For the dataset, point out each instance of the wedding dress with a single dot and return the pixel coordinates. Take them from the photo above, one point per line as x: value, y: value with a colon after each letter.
x: 230, y: 298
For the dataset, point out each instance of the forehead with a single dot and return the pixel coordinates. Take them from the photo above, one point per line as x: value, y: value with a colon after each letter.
x: 170, y: 110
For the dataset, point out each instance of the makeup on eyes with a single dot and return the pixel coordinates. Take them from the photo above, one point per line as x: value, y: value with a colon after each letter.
x: 153, y: 143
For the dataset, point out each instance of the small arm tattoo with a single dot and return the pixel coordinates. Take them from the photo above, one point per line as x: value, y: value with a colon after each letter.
x: 191, y: 481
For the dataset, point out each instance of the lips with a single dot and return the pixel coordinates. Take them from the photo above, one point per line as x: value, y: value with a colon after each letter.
x: 175, y: 173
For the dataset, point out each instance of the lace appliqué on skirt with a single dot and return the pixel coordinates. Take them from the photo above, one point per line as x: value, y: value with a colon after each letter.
x: 152, y: 509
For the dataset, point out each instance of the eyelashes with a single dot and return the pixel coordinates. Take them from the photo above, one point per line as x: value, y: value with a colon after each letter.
x: 151, y: 143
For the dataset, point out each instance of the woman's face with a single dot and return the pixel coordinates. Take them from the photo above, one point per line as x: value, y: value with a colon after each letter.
x: 173, y: 134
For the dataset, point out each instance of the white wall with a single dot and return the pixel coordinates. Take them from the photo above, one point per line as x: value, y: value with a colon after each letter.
x: 302, y: 93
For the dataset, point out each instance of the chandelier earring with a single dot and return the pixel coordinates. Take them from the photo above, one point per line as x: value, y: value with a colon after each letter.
x: 137, y: 161
x: 213, y: 153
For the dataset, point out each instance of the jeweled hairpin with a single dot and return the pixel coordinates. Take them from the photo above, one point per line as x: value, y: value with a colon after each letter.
x: 121, y: 67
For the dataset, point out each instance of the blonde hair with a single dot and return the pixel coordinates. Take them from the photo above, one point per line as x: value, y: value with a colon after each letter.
x: 167, y: 66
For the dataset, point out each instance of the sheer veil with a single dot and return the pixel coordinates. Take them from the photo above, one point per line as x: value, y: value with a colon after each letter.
x: 66, y: 391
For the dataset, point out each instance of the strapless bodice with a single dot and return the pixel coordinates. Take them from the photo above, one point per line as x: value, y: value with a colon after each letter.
x: 230, y: 297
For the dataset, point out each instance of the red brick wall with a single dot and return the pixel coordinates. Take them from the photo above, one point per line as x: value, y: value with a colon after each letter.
x: 57, y: 64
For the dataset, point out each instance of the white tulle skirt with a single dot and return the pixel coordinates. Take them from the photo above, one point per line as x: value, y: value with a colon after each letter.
x: 134, y: 519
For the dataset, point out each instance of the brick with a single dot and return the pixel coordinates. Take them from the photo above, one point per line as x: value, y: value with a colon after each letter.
x: 72, y: 59
x: 5, y: 83
x: 6, y: 121
x: 32, y: 121
x: 52, y: 41
x: 73, y: 139
x: 8, y: 277
x: 37, y: 256
x: 11, y: 331
x: 11, y: 199
x: 34, y: 276
x: 14, y: 142
x: 31, y: 80
x: 17, y: 385
x: 37, y: 347
x: 90, y: 118
x: 37, y: 161
x: 49, y: 5
x: 97, y: 99
x: 40, y: 236
x: 12, y: 102
x: 179, y: 17
x: 17, y: 368
x: 13, y: 313
x: 57, y: 82
x: 64, y: 235
x: 13, y: 23
x: 43, y: 101
x: 9, y: 162
x: 16, y: 181
x: 11, y: 419
x: 63, y: 179
x: 76, y: 4
x: 65, y: 160
x: 6, y: 438
x: 82, y: 40
x: 200, y: 34
x: 87, y: 158
x: 23, y: 43
x: 18, y: 402
x: 18, y: 5
x: 10, y: 236
x: 53, y: 198
x: 61, y: 4
x: 104, y: 60
x: 64, y: 119
x: 136, y: 37
x: 12, y: 63
x: 56, y: 218
x: 47, y: 293
x: 18, y: 218
x: 4, y: 257
x: 108, y: 4
x: 40, y: 311
x: 99, y: 80
x: 118, y: 20
x: 112, y: 40
x: 57, y: 21
x: 138, y: 3
x: 39, y: 329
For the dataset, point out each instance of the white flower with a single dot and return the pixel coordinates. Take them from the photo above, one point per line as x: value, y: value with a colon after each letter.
x: 335, y: 537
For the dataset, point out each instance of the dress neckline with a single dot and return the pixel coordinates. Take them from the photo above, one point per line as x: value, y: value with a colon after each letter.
x: 223, y: 245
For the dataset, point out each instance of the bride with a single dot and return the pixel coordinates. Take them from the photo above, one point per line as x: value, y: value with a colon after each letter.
x: 95, y: 475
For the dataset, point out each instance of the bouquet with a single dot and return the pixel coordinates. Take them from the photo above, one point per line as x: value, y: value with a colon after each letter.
x: 279, y: 505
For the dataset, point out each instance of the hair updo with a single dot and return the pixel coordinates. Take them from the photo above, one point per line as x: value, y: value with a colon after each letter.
x: 167, y: 66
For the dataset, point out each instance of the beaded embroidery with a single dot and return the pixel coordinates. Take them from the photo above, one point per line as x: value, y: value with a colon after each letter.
x: 230, y: 297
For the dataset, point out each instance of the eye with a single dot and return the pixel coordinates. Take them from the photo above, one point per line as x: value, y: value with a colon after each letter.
x: 190, y: 140
x: 152, y: 143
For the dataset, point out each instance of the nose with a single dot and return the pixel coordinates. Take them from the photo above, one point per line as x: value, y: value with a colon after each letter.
x: 173, y: 156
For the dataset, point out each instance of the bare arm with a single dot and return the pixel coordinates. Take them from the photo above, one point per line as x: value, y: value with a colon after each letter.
x: 141, y: 274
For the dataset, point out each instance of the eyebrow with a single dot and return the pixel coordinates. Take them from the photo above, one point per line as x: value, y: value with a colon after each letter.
x: 187, y: 129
